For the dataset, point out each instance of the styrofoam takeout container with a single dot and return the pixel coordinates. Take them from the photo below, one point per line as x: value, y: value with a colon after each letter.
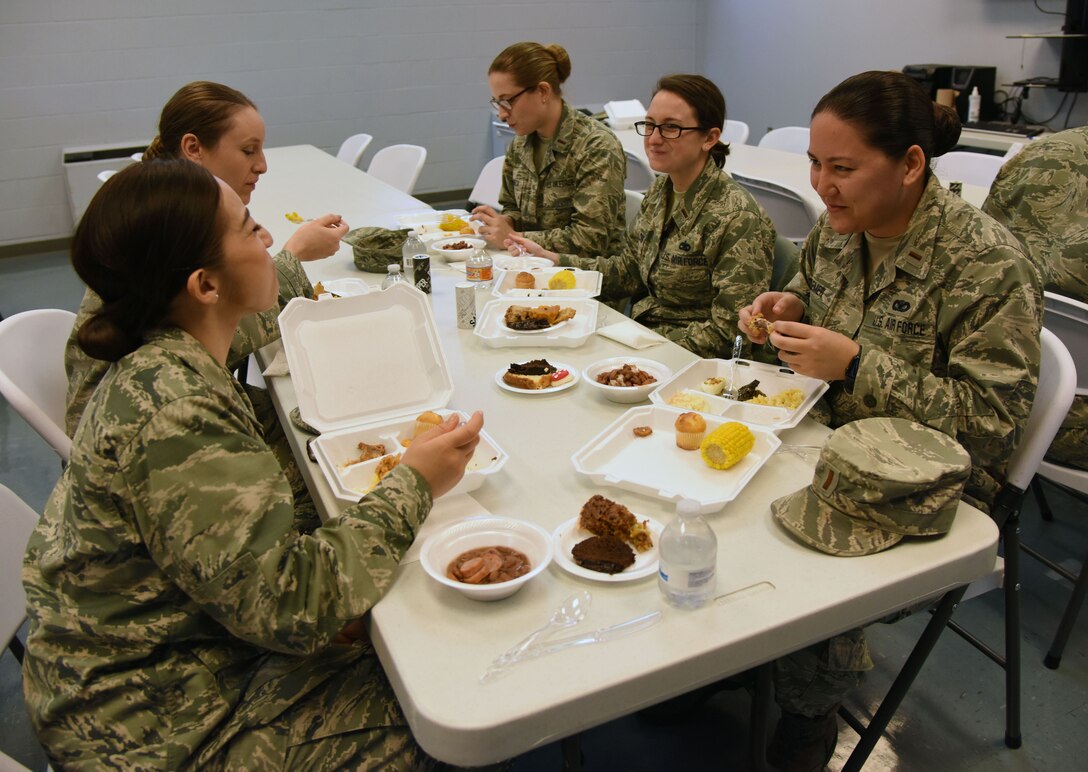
x: 655, y: 466
x: 363, y: 368
x: 587, y: 284
x: 772, y: 380
x: 571, y: 334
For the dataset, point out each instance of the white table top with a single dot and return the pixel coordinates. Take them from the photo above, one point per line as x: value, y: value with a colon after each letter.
x: 790, y: 169
x: 774, y: 595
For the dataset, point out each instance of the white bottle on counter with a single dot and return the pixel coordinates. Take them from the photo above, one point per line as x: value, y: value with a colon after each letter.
x: 392, y: 276
x: 688, y: 558
x: 974, y: 105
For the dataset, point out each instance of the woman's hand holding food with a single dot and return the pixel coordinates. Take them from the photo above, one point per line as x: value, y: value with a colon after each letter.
x: 441, y: 454
x: 318, y: 238
x: 528, y: 247
x: 814, y: 351
x: 771, y: 307
x: 494, y: 227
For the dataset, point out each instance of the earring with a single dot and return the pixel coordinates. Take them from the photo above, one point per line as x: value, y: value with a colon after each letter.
x: 217, y: 296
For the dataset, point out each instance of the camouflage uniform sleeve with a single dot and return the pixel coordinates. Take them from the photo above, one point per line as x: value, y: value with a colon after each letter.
x: 745, y: 253
x: 83, y: 372
x: 990, y: 325
x: 619, y: 274
x: 216, y: 512
x: 258, y: 330
x: 798, y: 285
x: 506, y: 193
x: 598, y: 196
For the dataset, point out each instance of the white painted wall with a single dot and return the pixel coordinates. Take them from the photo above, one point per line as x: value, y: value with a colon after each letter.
x: 83, y: 72
x: 774, y: 59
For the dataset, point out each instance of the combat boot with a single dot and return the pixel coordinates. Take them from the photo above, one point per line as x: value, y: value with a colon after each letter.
x: 803, y: 744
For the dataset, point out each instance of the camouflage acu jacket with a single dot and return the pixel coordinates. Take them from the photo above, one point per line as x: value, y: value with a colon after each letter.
x: 1041, y: 195
x: 949, y: 334
x: 575, y: 203
x: 691, y: 273
x: 255, y: 332
x: 171, y: 602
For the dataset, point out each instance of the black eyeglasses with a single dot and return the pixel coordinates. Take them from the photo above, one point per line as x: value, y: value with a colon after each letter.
x: 668, y: 130
x: 508, y: 102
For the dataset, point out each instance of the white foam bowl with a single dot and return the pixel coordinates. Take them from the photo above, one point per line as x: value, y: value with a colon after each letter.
x: 626, y: 394
x: 441, y: 548
x: 441, y: 247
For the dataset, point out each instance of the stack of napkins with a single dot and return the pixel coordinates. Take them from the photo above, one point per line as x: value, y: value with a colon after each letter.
x: 622, y: 114
x: 632, y: 334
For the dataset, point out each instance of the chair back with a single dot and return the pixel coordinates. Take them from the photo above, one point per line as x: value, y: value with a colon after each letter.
x: 1014, y: 148
x: 1057, y: 382
x: 488, y: 184
x: 787, y: 262
x: 398, y: 165
x: 352, y: 149
x: 735, y: 131
x: 971, y: 168
x: 792, y: 214
x: 1068, y: 319
x: 792, y: 139
x: 32, y: 376
x: 17, y: 520
x: 639, y: 174
x: 105, y: 174
x: 633, y: 203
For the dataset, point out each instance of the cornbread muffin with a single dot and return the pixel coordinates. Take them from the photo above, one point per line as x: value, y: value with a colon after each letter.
x: 426, y: 421
x: 690, y: 428
x: 524, y: 280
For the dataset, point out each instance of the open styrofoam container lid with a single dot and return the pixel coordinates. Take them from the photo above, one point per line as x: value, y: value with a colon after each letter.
x: 363, y: 359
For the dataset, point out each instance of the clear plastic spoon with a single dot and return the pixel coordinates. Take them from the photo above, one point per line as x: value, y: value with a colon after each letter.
x: 731, y: 390
x: 570, y: 612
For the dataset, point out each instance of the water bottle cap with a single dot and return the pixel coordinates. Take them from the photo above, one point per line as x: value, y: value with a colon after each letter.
x: 687, y: 507
x: 392, y: 268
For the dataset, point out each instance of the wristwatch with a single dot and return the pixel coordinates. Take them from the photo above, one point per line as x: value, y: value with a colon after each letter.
x: 852, y: 372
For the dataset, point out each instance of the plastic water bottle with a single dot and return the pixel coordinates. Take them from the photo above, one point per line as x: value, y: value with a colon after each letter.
x: 413, y: 245
x: 392, y: 276
x: 478, y: 268
x: 688, y: 551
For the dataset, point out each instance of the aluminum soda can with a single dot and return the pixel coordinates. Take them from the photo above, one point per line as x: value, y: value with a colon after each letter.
x: 465, y: 297
x: 421, y: 272
x: 955, y: 187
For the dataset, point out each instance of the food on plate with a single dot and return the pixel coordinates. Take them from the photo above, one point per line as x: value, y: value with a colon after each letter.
x: 760, y: 325
x: 453, y: 224
x: 563, y: 280
x: 524, y: 280
x: 606, y: 554
x: 488, y: 565
x: 690, y: 401
x: 535, y: 374
x: 642, y: 431
x: 385, y: 466
x: 727, y: 445
x: 790, y: 399
x: 690, y: 428
x: 604, y: 517
x: 559, y: 377
x: 425, y: 421
x: 628, y: 375
x: 749, y: 391
x: 456, y: 246
x: 369, y: 452
x: 713, y: 386
x: 319, y: 289
x: 538, y: 318
x: 294, y: 217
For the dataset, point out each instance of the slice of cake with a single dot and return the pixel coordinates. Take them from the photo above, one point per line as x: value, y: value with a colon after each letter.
x: 604, y: 517
x: 607, y: 554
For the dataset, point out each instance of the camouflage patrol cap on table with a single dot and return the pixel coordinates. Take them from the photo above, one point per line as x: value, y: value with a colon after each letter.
x: 877, y: 480
x: 374, y: 249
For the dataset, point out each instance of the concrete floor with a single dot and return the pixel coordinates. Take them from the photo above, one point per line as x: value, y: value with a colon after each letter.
x: 952, y: 719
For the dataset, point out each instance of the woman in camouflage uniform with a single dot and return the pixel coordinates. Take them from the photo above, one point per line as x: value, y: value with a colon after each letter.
x: 913, y: 304
x: 177, y: 618
x: 562, y: 181
x: 701, y: 247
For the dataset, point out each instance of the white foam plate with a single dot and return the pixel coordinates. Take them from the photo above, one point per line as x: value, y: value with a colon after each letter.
x: 491, y: 329
x: 574, y: 376
x: 587, y: 284
x: 346, y: 288
x: 553, y: 328
x: 568, y: 534
x: 508, y: 263
x: 656, y: 467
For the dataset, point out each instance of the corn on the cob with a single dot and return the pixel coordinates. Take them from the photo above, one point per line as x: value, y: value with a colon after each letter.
x: 727, y: 445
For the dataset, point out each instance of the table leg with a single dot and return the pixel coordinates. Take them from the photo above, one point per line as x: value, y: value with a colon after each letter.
x: 761, y: 701
x: 572, y: 753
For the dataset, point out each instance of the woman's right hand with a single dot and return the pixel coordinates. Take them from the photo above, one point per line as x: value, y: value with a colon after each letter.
x: 318, y: 238
x: 441, y: 454
x: 529, y: 247
x: 774, y: 306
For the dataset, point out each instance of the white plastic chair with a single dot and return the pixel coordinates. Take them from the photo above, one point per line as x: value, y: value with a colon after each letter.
x: 352, y: 149
x: 633, y: 202
x: 32, y: 376
x: 1068, y: 319
x: 792, y: 139
x: 639, y: 174
x: 398, y: 165
x: 792, y: 213
x: 488, y: 184
x: 1014, y: 148
x: 971, y: 168
x: 735, y: 131
x: 105, y: 174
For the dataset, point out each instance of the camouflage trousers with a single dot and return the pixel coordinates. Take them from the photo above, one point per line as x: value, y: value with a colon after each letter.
x: 814, y: 681
x: 1070, y: 446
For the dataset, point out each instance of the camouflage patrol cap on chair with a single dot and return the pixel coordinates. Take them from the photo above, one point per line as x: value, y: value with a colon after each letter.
x: 877, y: 480
x: 375, y: 249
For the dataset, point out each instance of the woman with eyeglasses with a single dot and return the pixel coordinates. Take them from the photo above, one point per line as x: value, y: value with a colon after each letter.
x: 701, y: 244
x: 562, y: 181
